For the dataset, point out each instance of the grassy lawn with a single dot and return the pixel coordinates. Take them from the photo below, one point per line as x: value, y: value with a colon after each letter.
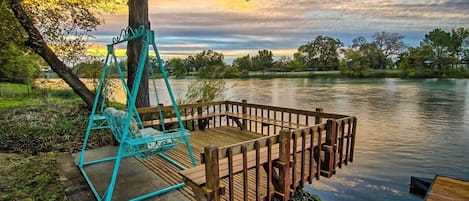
x: 14, y: 95
x: 13, y: 89
x: 26, y: 177
x: 35, y: 125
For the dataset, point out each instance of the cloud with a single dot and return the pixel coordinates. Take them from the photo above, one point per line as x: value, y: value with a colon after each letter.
x: 237, y: 26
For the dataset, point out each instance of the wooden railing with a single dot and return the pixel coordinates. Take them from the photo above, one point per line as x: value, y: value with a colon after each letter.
x: 298, y: 146
x: 279, y: 163
x: 262, y: 119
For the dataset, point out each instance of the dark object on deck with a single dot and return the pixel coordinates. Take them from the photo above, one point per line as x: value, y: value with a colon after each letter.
x: 419, y: 185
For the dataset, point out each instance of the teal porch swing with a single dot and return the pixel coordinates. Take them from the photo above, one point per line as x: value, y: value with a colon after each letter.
x: 126, y: 126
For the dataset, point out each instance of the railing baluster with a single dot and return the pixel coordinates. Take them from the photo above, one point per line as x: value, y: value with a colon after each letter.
x: 283, y: 122
x: 295, y: 160
x: 255, y: 124
x: 250, y: 120
x: 269, y: 169
x: 219, y: 116
x: 341, y: 143
x: 262, y: 126
x: 257, y: 146
x: 268, y: 126
x: 275, y: 122
x: 230, y: 174
x: 352, y: 145
x: 318, y: 164
x: 207, y: 119
x: 347, y: 149
x: 303, y: 158
x: 245, y: 172
x: 227, y: 109
x: 312, y: 131
x: 297, y: 120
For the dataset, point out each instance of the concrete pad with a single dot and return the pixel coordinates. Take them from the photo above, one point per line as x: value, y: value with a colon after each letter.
x: 134, y: 179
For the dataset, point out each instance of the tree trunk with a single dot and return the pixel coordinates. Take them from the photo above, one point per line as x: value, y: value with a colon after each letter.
x: 39, y: 46
x: 138, y: 15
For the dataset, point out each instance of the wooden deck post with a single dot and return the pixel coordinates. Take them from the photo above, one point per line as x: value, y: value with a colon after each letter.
x: 282, y: 191
x: 331, y: 147
x: 244, y: 111
x: 212, y: 187
x: 318, y: 118
x: 354, y: 132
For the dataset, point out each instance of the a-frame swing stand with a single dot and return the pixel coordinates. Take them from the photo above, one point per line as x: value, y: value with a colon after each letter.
x: 126, y: 126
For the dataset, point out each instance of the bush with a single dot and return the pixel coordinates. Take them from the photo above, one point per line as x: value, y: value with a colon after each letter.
x: 302, y: 195
x: 204, y: 90
x: 16, y: 65
x: 63, y: 93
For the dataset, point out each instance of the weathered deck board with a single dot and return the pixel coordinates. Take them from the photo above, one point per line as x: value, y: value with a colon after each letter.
x: 199, y: 139
x: 221, y: 136
x: 445, y: 189
x: 197, y: 176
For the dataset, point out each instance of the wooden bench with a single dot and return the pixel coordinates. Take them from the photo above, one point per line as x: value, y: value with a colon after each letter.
x: 238, y: 118
x: 170, y: 120
x: 262, y: 120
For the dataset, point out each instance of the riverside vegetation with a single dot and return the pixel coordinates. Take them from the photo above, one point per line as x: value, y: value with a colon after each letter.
x: 36, y: 125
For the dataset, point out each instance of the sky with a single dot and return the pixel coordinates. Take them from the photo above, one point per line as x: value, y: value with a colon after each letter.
x: 238, y: 27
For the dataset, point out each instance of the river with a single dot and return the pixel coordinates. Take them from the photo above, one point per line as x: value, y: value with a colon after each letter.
x: 414, y: 127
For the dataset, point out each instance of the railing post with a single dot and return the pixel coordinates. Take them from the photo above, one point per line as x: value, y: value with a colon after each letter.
x: 318, y: 118
x: 282, y: 191
x: 354, y: 133
x: 330, y: 147
x: 244, y: 111
x: 212, y: 186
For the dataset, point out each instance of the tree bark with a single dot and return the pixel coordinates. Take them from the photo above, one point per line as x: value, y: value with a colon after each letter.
x: 138, y: 15
x: 39, y: 46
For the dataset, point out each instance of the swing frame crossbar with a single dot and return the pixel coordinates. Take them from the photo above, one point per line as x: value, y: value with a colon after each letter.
x: 147, y: 36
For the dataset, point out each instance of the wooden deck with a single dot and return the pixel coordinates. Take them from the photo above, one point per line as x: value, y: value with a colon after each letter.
x: 251, y: 151
x: 221, y: 136
x: 446, y: 189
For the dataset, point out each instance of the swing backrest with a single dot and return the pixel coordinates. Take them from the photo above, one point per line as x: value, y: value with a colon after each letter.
x: 116, y: 120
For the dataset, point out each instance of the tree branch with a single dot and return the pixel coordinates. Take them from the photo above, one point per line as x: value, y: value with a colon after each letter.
x: 37, y: 43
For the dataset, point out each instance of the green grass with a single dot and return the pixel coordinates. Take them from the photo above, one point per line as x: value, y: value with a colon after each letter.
x: 26, y: 177
x: 35, y: 124
x: 14, y: 95
x: 13, y: 89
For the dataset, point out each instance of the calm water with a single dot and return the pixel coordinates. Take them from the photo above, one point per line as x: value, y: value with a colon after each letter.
x: 405, y: 128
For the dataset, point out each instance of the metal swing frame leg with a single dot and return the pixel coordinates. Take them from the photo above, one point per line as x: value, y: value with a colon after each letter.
x: 148, y: 39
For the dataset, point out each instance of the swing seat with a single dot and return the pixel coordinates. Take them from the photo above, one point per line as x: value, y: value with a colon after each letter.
x: 143, y: 142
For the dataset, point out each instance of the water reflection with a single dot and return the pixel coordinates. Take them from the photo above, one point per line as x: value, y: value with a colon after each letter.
x: 405, y: 127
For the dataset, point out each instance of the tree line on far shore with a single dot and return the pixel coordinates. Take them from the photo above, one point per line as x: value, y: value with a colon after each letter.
x: 440, y: 54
